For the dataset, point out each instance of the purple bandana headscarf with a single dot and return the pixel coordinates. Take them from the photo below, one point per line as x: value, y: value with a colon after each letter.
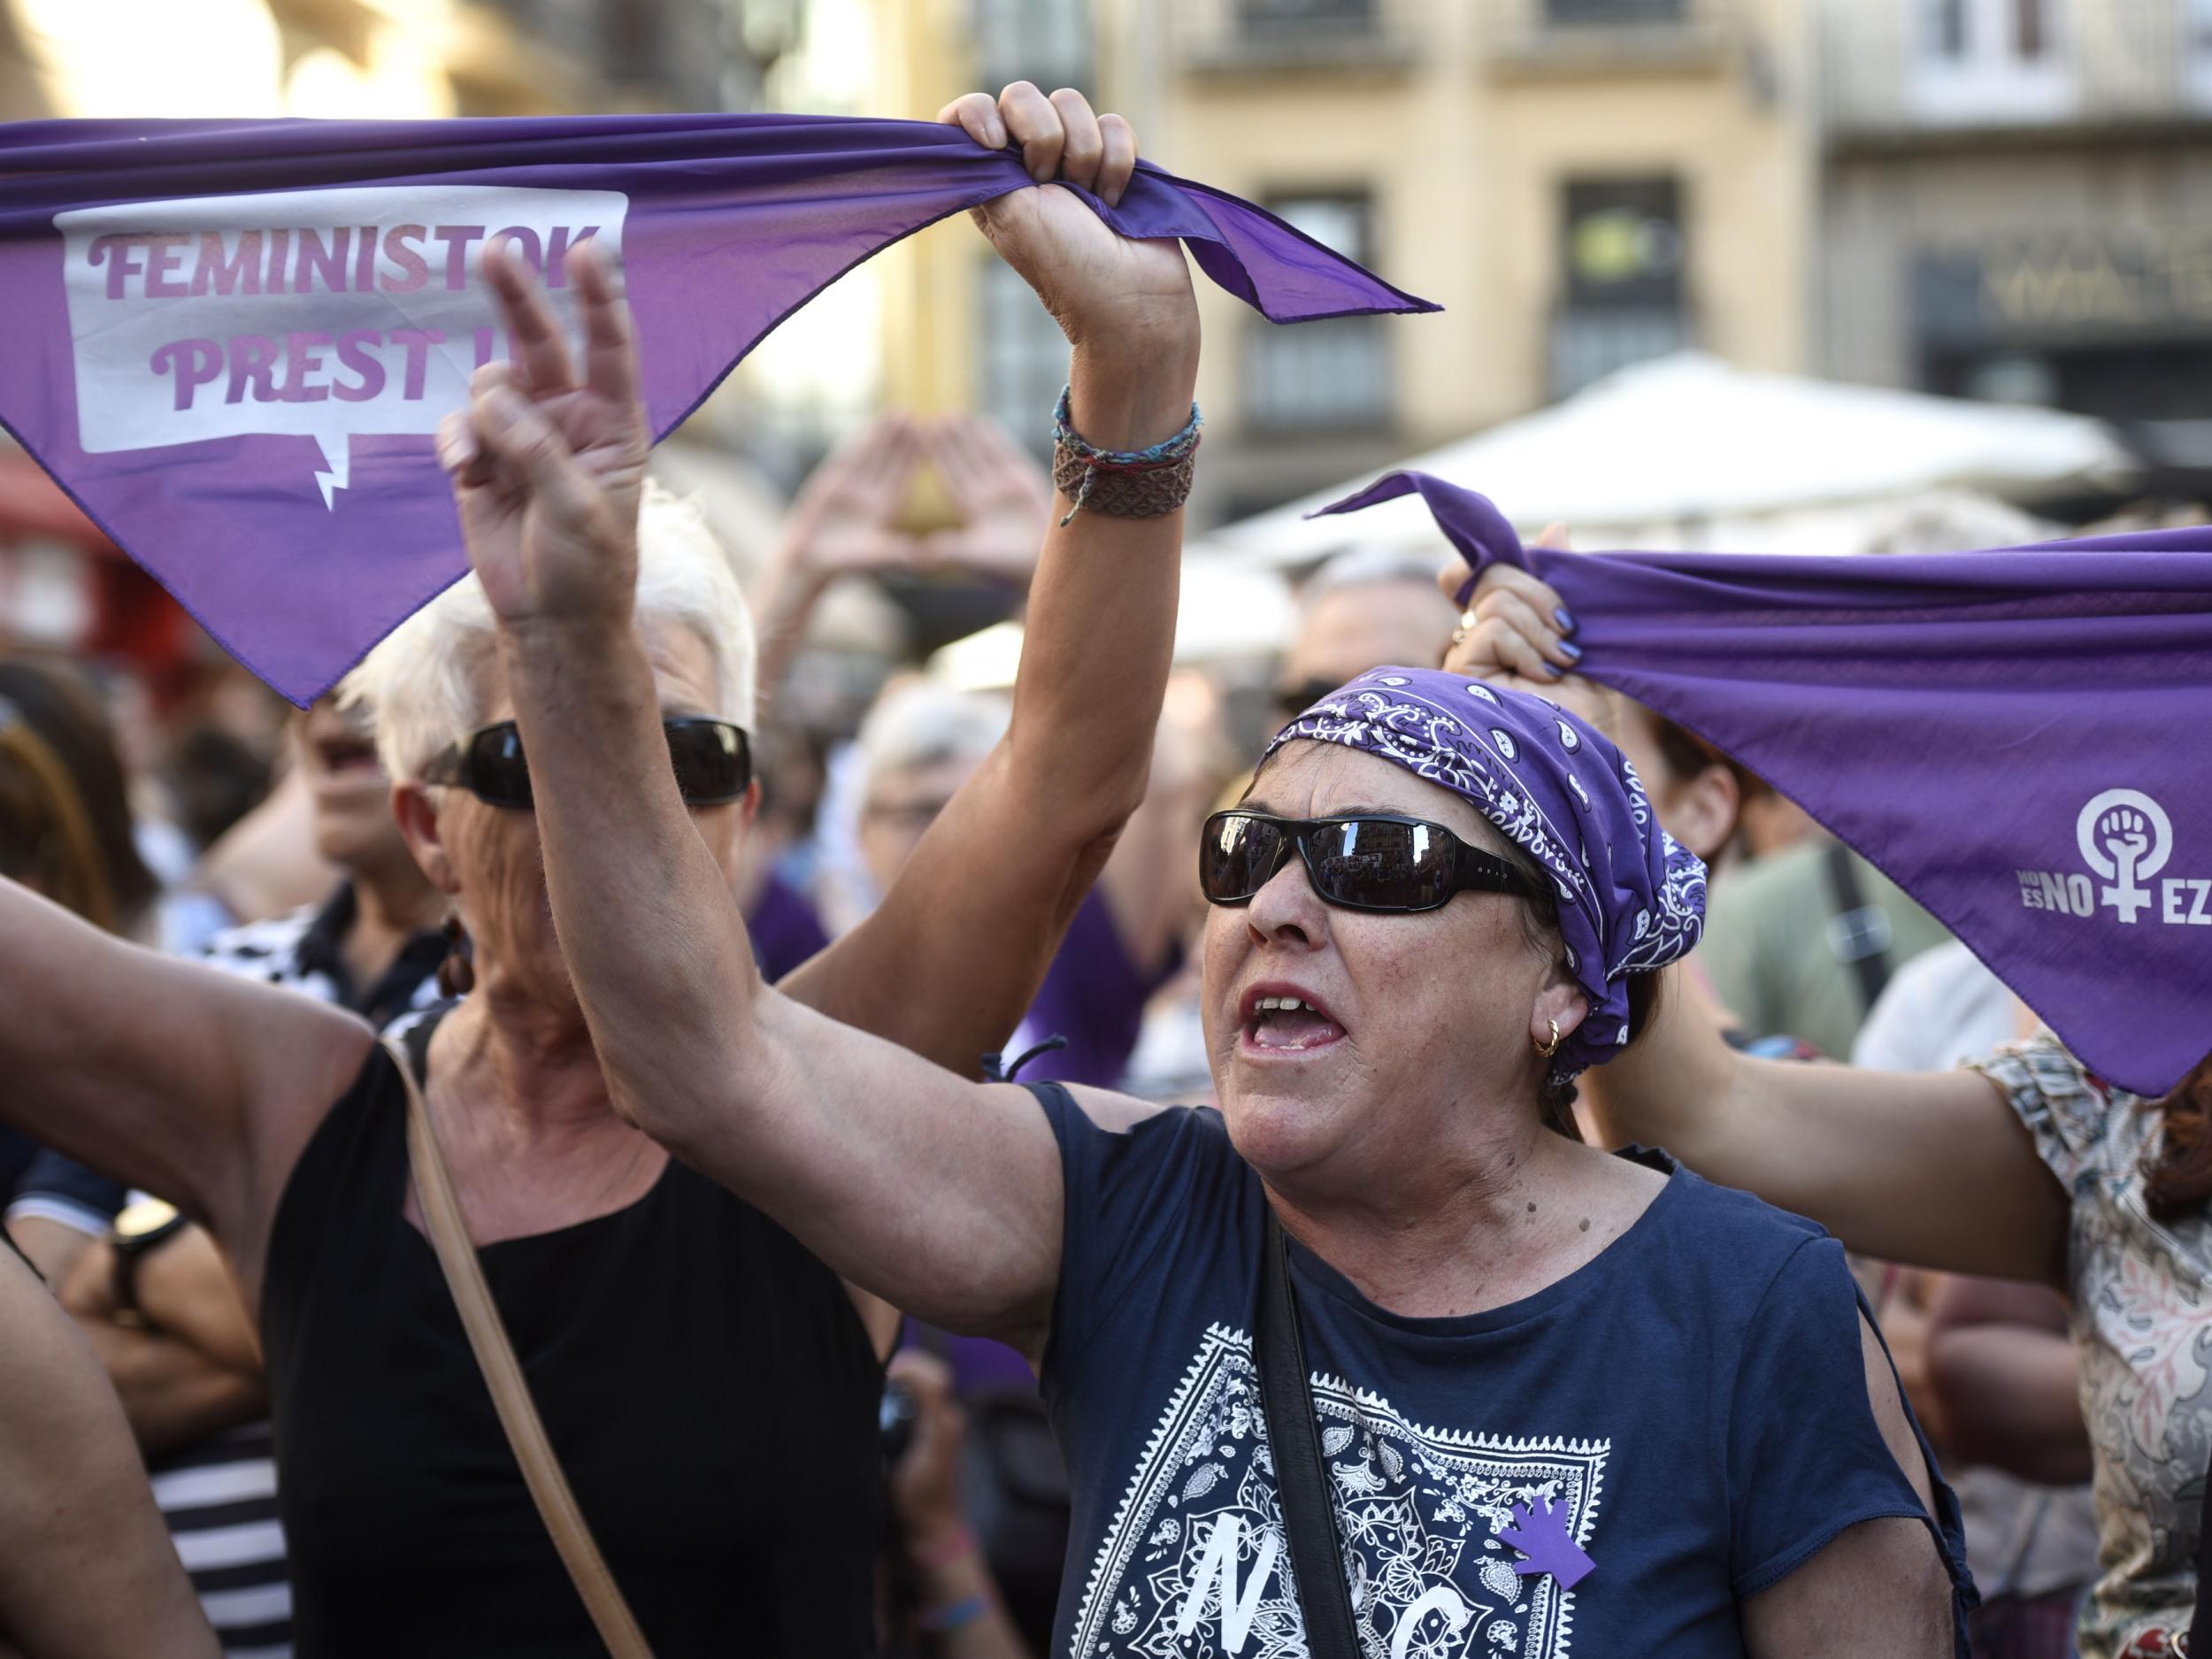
x: 2017, y: 737
x: 1630, y: 898
x: 230, y: 341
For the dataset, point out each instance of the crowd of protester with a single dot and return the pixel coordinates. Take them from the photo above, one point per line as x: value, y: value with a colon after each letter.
x: 784, y: 1267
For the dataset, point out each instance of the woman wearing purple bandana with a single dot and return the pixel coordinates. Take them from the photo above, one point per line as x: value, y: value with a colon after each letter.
x: 1562, y: 1401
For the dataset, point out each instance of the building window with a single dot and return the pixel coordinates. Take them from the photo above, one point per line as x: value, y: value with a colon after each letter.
x: 1623, y: 243
x: 1025, y: 357
x: 1572, y: 12
x: 1270, y: 19
x: 1623, y: 298
x: 1047, y: 42
x: 1991, y: 60
x: 1945, y: 21
x: 2197, y: 52
x: 1329, y: 375
x: 2015, y: 30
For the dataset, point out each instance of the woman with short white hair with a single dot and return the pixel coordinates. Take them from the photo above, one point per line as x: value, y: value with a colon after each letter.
x: 431, y: 675
x: 710, y: 1387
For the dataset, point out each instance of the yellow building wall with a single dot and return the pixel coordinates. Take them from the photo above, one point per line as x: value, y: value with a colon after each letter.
x: 1399, y: 135
x: 1745, y: 203
x: 1465, y: 154
x: 924, y: 57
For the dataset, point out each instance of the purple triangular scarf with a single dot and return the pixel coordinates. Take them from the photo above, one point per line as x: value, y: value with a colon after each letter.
x: 230, y: 340
x: 2021, y: 738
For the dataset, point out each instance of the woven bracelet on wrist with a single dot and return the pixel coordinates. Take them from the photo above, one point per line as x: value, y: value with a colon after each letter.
x: 1123, y: 483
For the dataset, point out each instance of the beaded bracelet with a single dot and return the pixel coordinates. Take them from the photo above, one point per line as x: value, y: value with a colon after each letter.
x: 1125, y: 483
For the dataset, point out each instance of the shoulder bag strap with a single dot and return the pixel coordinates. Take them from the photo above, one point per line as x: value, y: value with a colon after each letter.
x: 1301, y: 1477
x: 1858, y: 932
x: 502, y: 1375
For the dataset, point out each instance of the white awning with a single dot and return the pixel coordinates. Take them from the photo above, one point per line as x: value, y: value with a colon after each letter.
x: 1688, y: 441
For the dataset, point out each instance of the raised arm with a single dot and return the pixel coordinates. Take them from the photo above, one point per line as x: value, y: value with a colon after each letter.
x: 166, y: 1075
x: 86, y: 1569
x: 1931, y: 1169
x: 948, y: 963
x: 939, y: 1194
x: 843, y: 523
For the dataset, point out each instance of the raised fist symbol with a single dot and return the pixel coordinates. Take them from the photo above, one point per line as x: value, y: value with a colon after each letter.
x: 2126, y: 833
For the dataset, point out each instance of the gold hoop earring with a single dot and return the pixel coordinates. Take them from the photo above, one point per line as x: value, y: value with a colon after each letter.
x: 1547, y: 1049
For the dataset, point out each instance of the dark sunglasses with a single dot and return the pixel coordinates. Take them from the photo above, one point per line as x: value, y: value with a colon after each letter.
x: 1367, y: 861
x: 713, y: 761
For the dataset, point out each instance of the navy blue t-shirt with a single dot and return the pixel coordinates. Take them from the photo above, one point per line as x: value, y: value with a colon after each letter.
x: 1686, y: 1414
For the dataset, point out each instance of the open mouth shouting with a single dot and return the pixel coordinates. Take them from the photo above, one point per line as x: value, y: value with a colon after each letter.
x: 1281, y: 1021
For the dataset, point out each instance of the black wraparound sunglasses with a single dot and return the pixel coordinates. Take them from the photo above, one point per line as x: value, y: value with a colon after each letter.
x: 713, y: 761
x: 1366, y: 861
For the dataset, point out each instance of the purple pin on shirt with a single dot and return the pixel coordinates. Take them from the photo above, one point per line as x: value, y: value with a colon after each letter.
x: 1540, y: 1535
x: 230, y: 341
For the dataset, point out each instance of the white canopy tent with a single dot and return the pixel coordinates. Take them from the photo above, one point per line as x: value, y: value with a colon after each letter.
x: 1689, y: 449
x: 1225, y: 614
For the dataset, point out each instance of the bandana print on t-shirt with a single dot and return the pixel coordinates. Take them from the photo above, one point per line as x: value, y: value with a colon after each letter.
x: 1499, y: 1491
x: 1196, y: 1562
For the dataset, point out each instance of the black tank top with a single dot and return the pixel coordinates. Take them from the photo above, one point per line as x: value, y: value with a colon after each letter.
x: 706, y: 1383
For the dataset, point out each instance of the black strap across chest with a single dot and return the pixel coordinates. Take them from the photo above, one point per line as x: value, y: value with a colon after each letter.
x: 1859, y: 932
x: 1301, y: 1479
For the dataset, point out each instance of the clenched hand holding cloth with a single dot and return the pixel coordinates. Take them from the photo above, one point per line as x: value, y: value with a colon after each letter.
x: 230, y: 341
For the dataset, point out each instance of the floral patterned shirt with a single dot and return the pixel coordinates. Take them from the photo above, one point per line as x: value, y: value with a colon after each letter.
x: 2142, y: 1326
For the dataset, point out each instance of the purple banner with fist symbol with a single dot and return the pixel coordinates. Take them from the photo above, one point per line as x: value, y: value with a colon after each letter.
x: 2017, y: 737
x: 231, y: 343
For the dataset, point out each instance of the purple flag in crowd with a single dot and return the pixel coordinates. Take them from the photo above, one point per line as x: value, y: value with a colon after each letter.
x: 2017, y: 737
x: 230, y: 341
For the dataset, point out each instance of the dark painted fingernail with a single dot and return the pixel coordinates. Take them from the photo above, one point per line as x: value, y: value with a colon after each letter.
x: 1571, y: 648
x: 1555, y: 671
x: 1566, y: 618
